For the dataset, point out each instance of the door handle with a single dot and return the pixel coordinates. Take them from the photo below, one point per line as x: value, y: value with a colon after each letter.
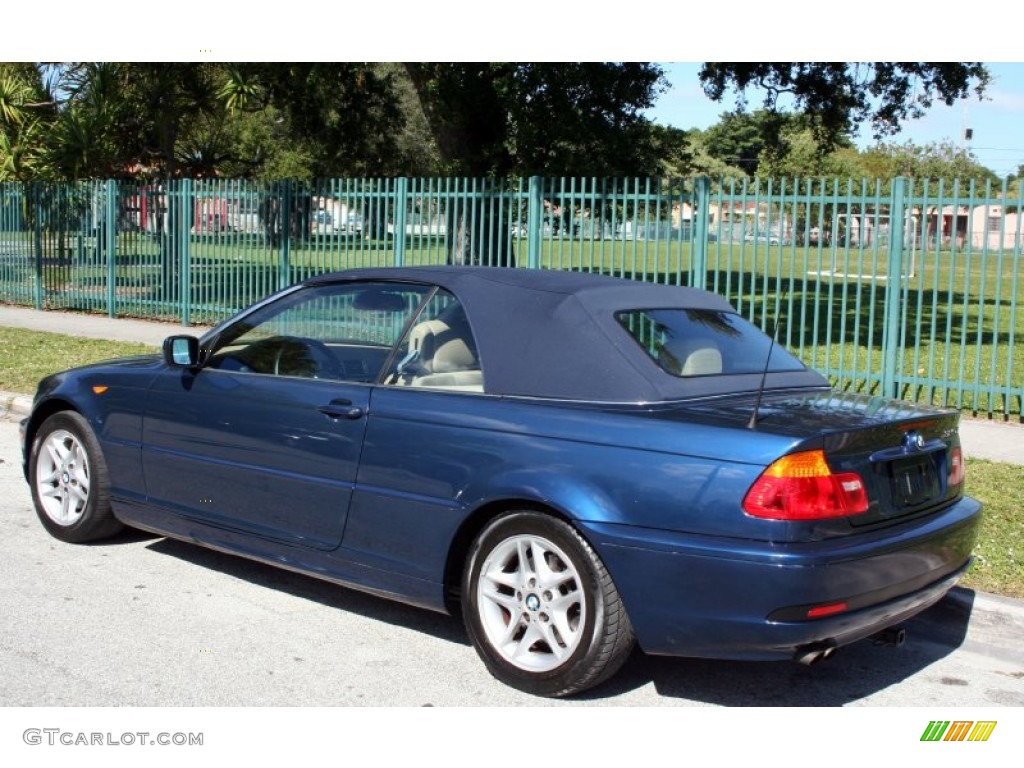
x: 340, y: 408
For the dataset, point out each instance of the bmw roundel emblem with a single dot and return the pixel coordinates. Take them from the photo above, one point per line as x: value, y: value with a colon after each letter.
x: 914, y: 441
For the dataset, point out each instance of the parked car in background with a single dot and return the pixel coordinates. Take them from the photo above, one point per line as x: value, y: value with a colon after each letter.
x: 573, y: 464
x: 325, y: 222
x: 423, y: 226
x: 243, y: 215
x: 763, y: 239
x: 322, y: 223
x: 350, y: 222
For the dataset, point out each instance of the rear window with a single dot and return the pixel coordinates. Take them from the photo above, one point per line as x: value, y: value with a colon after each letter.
x: 703, y: 342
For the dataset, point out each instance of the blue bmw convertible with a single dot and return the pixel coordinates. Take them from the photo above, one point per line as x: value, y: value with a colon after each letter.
x: 576, y: 464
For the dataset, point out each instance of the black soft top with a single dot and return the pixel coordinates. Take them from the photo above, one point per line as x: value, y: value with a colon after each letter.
x: 553, y: 334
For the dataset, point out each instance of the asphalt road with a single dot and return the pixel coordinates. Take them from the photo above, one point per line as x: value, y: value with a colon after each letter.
x: 147, y: 621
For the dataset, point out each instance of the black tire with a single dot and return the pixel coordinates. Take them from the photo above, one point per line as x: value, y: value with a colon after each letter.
x: 69, y: 480
x: 559, y: 634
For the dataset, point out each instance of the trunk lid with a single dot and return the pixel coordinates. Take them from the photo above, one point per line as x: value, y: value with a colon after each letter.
x: 904, y: 452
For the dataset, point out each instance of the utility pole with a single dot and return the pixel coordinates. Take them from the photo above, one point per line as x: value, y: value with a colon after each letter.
x: 967, y: 133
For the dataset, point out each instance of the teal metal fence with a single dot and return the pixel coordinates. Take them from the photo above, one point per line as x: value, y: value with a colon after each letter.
x: 906, y: 288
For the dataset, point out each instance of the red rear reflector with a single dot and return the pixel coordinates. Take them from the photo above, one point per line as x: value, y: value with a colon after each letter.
x: 826, y: 610
x: 956, y: 466
x: 801, y: 486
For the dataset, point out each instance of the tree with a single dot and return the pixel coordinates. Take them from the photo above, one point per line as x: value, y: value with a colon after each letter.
x: 159, y: 120
x: 25, y: 111
x: 838, y: 96
x: 941, y: 161
x: 345, y: 116
x: 740, y: 138
x: 685, y: 153
x: 539, y: 118
x: 118, y: 120
x: 799, y: 155
x: 501, y: 119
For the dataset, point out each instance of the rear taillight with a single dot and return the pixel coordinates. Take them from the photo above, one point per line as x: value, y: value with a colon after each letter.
x: 801, y: 486
x: 956, y: 466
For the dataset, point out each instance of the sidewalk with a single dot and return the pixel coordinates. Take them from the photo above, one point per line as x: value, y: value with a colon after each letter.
x: 981, y: 439
x: 94, y: 326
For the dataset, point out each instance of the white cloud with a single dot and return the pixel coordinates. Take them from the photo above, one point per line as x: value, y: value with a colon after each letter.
x: 1006, y: 101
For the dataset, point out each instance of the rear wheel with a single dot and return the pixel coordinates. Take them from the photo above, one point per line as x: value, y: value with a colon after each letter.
x: 541, y: 608
x: 69, y: 480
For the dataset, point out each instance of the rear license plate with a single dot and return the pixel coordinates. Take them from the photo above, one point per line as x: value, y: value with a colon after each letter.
x: 914, y: 482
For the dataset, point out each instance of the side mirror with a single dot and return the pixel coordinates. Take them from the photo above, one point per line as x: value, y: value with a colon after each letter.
x: 181, y: 351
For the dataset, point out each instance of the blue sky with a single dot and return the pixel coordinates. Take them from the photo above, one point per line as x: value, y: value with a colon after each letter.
x: 997, y: 121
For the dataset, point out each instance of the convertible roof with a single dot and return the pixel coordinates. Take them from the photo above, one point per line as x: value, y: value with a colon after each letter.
x: 553, y: 334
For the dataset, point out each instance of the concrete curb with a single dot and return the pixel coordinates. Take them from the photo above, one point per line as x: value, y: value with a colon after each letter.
x: 15, y: 404
x: 987, y: 602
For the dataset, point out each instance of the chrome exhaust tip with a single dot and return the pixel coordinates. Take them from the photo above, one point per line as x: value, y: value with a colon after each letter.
x: 812, y: 653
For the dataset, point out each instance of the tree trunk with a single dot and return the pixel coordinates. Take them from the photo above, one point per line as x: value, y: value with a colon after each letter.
x: 469, y: 125
x: 478, y: 229
x: 178, y: 220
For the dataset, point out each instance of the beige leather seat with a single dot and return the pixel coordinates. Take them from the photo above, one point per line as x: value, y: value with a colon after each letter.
x: 446, y: 360
x: 691, y: 357
x: 422, y: 336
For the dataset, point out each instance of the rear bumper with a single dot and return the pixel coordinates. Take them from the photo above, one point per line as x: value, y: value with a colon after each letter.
x: 730, y: 599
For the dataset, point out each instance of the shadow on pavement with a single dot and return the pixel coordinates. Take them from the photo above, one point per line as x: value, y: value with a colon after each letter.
x: 326, y: 593
x: 853, y: 673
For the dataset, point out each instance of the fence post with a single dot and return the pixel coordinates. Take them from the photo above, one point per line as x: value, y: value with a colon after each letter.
x: 401, y: 203
x: 699, y: 243
x: 185, y: 220
x: 110, y: 244
x: 284, y: 274
x: 534, y: 221
x: 893, y: 289
x: 37, y: 242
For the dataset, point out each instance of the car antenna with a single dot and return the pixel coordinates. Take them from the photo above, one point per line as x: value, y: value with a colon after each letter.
x: 752, y: 424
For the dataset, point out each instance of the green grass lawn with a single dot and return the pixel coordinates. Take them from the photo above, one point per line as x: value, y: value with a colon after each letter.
x: 999, y: 554
x: 26, y: 356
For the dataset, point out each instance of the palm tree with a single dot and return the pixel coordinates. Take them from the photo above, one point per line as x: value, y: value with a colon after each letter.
x: 24, y: 110
x: 120, y: 118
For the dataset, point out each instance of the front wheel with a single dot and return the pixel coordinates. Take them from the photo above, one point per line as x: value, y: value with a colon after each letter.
x: 68, y: 476
x: 540, y: 607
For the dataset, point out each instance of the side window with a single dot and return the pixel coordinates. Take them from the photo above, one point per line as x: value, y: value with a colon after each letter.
x: 439, y: 350
x: 336, y: 332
